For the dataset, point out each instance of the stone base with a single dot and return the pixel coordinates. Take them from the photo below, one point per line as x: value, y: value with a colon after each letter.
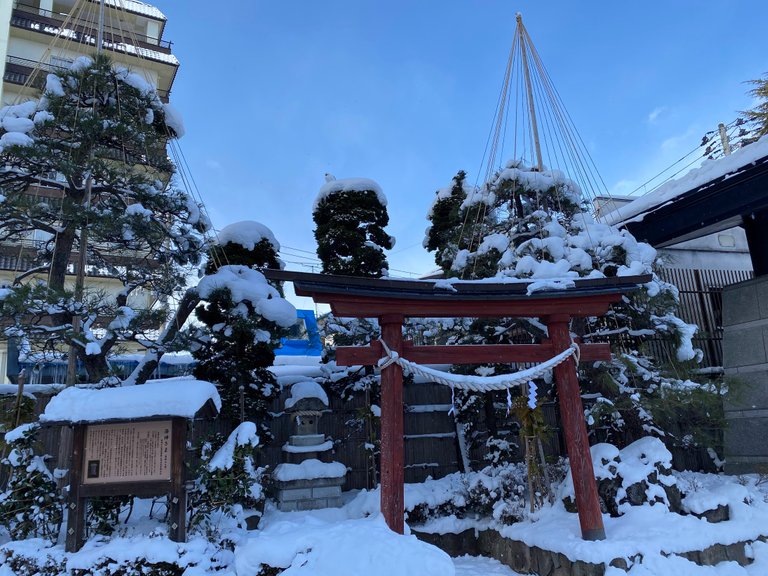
x: 313, y: 494
x: 533, y: 560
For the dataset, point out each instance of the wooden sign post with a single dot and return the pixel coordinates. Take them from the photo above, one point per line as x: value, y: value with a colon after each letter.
x: 139, y: 458
x: 130, y: 441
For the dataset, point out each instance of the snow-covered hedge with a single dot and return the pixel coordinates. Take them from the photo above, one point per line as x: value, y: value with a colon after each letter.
x: 639, y: 474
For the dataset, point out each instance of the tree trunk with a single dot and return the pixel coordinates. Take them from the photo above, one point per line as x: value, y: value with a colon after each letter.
x: 65, y: 239
x: 96, y: 365
x: 151, y: 359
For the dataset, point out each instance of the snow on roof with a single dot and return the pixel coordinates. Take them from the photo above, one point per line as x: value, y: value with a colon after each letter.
x: 176, y: 397
x: 247, y: 234
x: 707, y: 172
x: 349, y: 185
x: 138, y: 8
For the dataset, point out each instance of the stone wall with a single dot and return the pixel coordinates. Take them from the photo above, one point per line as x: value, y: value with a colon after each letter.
x: 745, y: 359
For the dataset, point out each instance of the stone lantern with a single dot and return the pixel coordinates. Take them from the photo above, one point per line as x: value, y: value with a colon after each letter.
x: 305, y: 408
x: 305, y: 482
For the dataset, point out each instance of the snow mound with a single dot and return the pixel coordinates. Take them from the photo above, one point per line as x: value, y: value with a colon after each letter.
x: 306, y: 389
x: 247, y: 234
x: 349, y: 185
x: 309, y: 470
x: 348, y: 548
x: 158, y: 398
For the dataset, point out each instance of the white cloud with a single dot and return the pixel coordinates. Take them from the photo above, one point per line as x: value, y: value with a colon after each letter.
x: 654, y: 115
x: 624, y: 187
x: 687, y: 140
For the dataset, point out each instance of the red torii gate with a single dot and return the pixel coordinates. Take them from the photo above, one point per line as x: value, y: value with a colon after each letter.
x: 391, y: 301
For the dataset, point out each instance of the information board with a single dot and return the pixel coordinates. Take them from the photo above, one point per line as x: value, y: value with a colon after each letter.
x: 127, y: 452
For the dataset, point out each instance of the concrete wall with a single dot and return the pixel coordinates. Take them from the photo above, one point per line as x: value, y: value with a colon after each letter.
x: 5, y: 33
x: 745, y: 359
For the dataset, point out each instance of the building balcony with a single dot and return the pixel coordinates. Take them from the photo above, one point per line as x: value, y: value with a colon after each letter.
x: 20, y: 70
x: 28, y: 17
x: 19, y: 256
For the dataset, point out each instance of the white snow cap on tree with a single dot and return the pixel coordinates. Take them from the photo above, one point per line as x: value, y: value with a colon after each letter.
x: 247, y: 234
x: 248, y: 285
x: 174, y: 120
x: 349, y: 185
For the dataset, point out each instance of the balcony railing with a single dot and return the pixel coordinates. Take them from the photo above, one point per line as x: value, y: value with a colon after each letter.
x: 29, y: 17
x: 109, y: 31
x: 19, y: 70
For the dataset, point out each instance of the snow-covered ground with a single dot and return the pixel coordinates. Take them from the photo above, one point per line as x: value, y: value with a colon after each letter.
x: 354, y: 540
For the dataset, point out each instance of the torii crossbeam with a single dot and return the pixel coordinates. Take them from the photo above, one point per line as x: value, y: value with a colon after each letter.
x: 391, y: 301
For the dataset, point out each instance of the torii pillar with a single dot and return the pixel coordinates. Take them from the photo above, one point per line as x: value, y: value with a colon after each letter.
x: 391, y: 301
x: 392, y: 437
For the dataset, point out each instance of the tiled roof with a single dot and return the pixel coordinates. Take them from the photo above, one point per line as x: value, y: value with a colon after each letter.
x: 138, y: 8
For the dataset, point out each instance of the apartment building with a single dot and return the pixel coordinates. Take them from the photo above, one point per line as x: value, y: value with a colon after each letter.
x: 39, y: 36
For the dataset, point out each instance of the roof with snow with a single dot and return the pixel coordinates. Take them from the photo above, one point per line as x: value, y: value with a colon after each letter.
x: 709, y: 199
x: 180, y: 397
x: 506, y: 288
x: 138, y: 8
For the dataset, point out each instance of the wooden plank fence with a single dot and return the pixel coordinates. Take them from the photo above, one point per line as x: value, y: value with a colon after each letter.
x: 431, y: 447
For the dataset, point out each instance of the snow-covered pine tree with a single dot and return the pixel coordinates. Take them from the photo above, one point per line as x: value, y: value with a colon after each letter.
x: 243, y: 317
x: 350, y: 216
x: 90, y: 154
x: 757, y: 117
x: 441, y: 237
x: 536, y: 227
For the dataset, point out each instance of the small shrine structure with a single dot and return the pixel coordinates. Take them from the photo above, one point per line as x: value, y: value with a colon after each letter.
x: 391, y: 301
x: 308, y: 480
x: 130, y: 440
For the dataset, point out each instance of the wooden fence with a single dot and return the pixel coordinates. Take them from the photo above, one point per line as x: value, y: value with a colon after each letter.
x: 701, y: 303
x: 431, y: 446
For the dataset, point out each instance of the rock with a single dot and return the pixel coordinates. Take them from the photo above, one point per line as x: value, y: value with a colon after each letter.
x: 719, y: 514
x: 675, y: 498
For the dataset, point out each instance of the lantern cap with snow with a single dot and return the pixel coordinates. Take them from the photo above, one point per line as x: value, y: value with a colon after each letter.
x: 305, y: 405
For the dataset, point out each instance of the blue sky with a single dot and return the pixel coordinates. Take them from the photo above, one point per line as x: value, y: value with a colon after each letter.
x: 274, y: 94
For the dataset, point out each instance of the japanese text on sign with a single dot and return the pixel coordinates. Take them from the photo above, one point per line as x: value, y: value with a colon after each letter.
x: 127, y: 452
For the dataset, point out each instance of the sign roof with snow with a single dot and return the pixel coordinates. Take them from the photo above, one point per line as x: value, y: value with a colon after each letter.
x: 156, y: 399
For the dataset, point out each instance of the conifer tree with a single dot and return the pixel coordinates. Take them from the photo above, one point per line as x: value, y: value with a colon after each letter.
x: 90, y: 155
x: 444, y: 214
x: 244, y: 317
x: 538, y: 228
x: 350, y: 216
x: 757, y: 117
